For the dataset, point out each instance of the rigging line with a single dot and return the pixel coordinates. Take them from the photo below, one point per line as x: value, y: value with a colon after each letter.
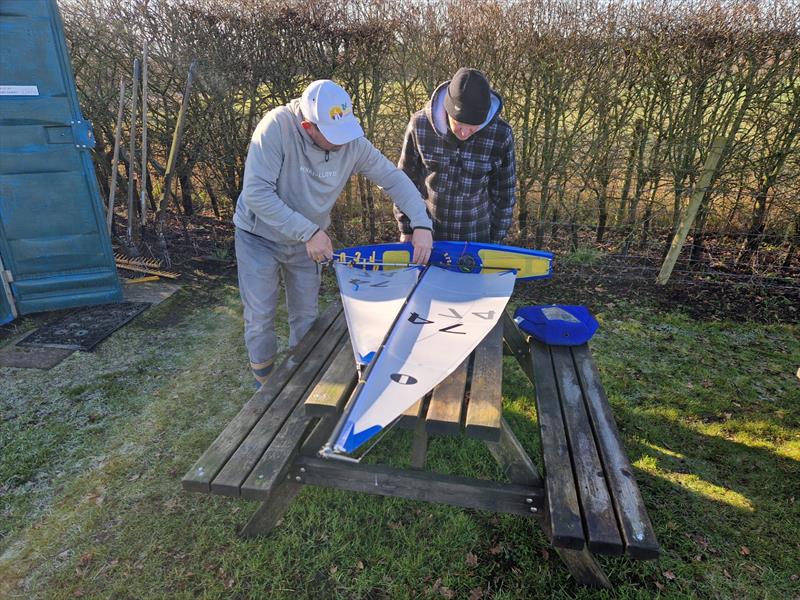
x: 328, y: 451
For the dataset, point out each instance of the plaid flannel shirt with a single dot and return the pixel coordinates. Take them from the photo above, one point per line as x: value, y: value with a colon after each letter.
x: 469, y: 186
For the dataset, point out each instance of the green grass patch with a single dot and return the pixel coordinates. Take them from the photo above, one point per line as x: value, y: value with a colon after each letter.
x: 582, y: 257
x: 92, y: 452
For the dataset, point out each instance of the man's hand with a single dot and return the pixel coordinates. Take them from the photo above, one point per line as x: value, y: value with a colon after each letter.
x: 319, y: 247
x: 422, y: 240
x: 405, y: 237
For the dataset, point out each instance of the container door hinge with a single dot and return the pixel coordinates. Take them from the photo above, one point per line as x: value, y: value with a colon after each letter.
x: 83, y: 134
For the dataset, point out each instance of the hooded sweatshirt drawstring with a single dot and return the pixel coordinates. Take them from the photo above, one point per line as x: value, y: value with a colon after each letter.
x: 327, y: 155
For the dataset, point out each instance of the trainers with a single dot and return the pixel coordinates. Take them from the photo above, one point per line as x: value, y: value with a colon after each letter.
x: 261, y: 372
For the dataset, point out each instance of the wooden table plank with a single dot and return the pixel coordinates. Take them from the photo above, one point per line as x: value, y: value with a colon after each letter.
x: 485, y: 405
x: 339, y: 379
x: 566, y: 528
x: 235, y: 471
x: 637, y: 530
x: 408, y: 419
x: 419, y: 485
x: 336, y: 385
x: 516, y: 342
x: 447, y: 401
x: 598, y: 511
x: 199, y: 477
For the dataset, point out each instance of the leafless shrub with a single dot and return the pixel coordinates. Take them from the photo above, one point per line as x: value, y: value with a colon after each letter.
x: 614, y: 103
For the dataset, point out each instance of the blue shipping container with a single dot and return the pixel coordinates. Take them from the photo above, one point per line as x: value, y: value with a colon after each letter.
x: 55, y: 251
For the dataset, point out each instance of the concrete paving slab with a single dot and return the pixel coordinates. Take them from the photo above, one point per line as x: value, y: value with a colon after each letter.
x: 154, y: 292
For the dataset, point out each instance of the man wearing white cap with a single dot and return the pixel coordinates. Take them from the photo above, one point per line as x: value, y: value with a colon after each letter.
x: 300, y: 158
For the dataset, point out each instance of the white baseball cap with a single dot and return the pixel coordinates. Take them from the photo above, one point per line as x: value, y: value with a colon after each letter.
x: 329, y: 107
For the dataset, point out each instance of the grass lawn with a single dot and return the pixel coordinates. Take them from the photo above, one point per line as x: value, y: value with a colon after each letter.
x: 92, y: 452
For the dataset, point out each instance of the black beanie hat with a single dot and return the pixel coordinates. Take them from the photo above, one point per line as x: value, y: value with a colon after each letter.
x: 468, y: 97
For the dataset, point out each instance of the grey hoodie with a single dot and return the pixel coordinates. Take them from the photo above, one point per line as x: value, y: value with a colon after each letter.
x: 291, y: 184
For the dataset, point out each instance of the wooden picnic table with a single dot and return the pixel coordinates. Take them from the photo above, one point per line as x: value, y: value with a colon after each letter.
x: 588, y: 503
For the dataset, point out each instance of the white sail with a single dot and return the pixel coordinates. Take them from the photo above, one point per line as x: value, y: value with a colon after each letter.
x: 371, y: 301
x: 446, y: 317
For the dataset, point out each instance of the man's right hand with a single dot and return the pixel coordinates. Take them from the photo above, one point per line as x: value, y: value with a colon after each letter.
x: 319, y: 247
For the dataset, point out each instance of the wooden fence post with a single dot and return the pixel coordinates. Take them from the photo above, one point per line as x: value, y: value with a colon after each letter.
x: 115, y: 163
x: 706, y: 177
x: 132, y: 233
x: 173, y: 154
x: 143, y: 191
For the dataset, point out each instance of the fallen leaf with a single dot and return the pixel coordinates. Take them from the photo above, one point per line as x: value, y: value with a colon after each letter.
x: 496, y: 549
x: 333, y: 569
x: 698, y: 558
x: 446, y: 592
x: 744, y: 551
x: 79, y: 593
x: 360, y: 566
x: 669, y: 575
x: 660, y: 586
x: 471, y: 560
x: 85, y: 559
x: 475, y: 594
x: 545, y: 554
x: 794, y: 577
x: 725, y: 572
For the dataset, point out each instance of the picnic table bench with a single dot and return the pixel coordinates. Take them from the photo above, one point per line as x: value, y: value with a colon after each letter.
x: 588, y: 502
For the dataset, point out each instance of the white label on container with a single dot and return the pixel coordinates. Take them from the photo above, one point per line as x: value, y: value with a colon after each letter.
x: 555, y: 313
x: 19, y: 90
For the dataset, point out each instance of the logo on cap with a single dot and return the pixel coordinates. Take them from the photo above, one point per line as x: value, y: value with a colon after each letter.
x: 339, y: 111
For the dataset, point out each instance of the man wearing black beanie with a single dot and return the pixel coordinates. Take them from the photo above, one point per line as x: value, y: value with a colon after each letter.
x: 460, y: 154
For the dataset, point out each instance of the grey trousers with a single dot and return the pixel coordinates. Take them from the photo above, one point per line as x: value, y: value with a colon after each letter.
x: 261, y: 264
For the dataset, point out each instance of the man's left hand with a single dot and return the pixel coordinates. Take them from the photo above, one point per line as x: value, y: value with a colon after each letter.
x: 422, y: 240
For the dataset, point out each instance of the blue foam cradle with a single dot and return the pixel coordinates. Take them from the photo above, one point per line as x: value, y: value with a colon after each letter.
x: 557, y: 324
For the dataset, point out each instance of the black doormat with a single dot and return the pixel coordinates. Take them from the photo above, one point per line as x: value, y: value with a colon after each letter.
x: 84, y: 328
